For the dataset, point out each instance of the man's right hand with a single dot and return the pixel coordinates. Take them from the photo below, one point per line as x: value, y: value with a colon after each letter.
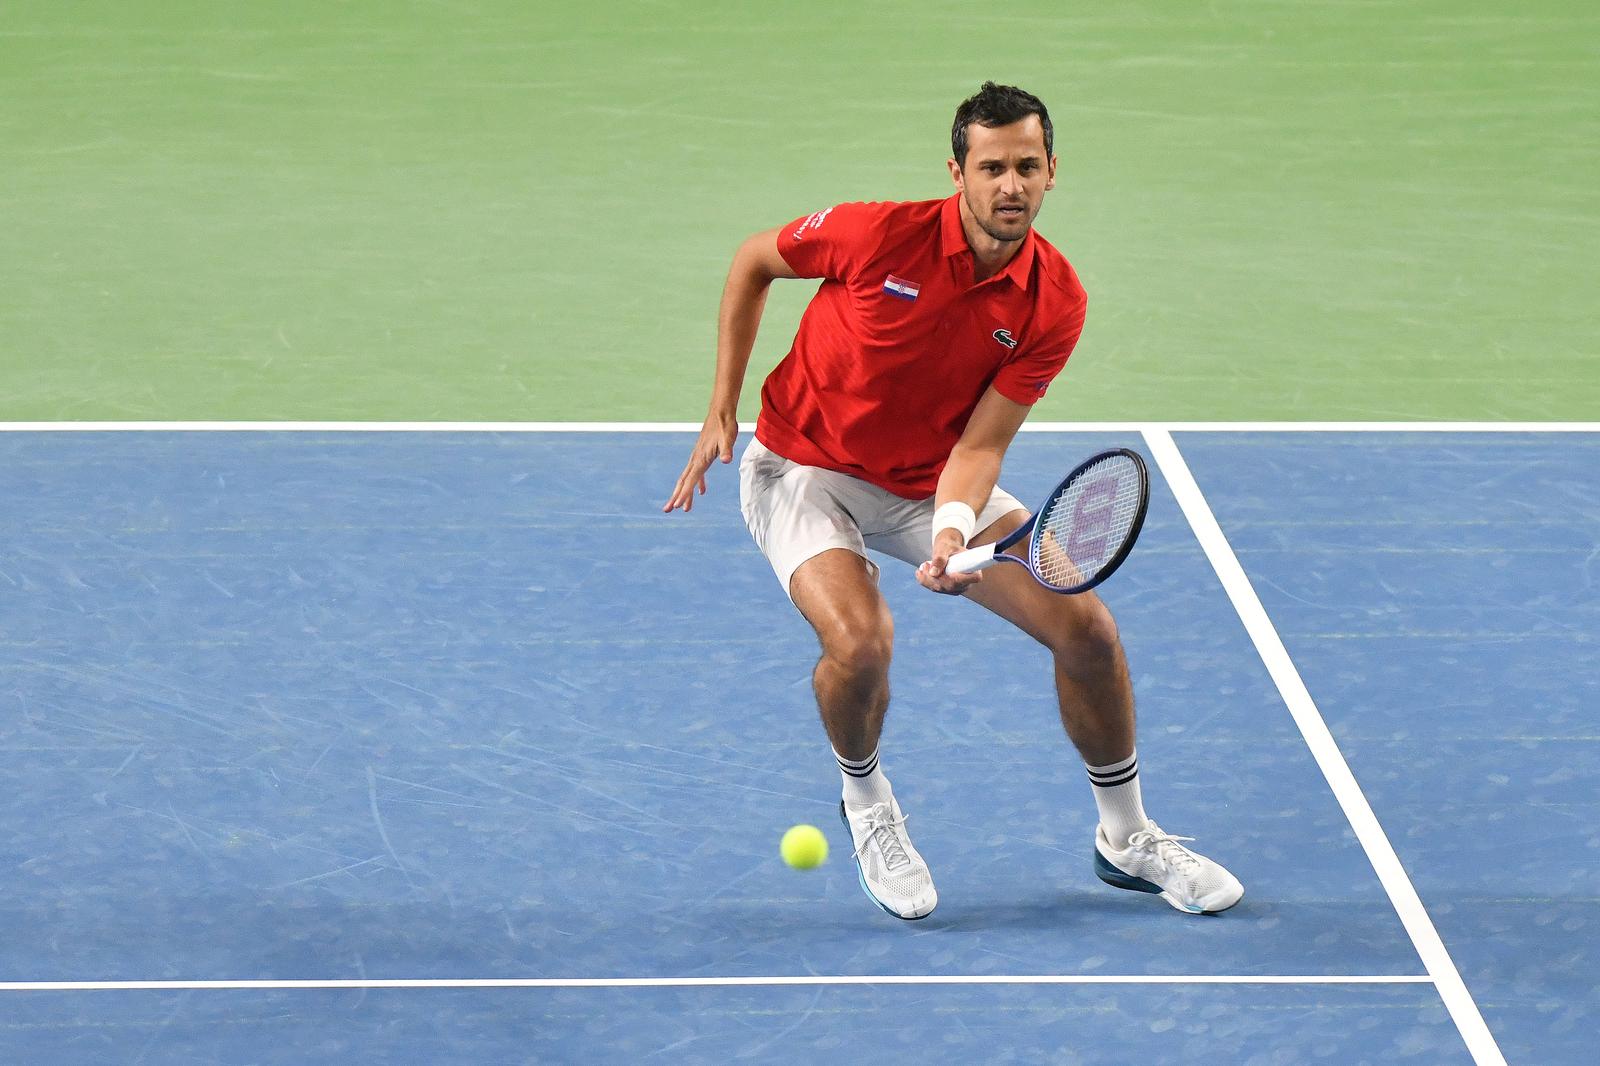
x: 716, y: 442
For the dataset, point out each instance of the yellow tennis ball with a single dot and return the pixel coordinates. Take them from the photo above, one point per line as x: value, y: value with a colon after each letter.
x: 804, y: 847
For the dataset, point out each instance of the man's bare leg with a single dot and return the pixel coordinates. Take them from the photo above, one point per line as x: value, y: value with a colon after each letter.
x: 1095, y: 695
x: 1093, y: 688
x: 836, y: 593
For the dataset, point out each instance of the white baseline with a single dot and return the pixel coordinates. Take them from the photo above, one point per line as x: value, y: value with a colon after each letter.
x: 715, y: 982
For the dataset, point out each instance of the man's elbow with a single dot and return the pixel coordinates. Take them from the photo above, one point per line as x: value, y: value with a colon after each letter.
x: 758, y: 259
x: 978, y: 455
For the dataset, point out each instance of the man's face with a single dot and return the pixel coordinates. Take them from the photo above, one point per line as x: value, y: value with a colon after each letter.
x: 1005, y: 176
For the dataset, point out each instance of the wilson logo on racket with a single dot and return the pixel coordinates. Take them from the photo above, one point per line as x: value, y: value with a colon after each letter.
x: 1004, y: 337
x: 1091, y: 520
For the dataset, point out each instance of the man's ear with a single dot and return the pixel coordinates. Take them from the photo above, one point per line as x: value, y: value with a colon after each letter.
x: 955, y: 174
x: 1048, y: 185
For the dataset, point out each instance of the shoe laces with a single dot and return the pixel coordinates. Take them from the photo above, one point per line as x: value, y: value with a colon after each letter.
x: 1167, y: 848
x: 880, y: 825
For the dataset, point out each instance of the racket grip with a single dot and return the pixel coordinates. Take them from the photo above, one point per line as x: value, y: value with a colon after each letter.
x: 972, y: 560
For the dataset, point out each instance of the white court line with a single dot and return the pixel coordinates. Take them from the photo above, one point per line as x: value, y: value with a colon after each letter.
x: 693, y: 427
x: 1457, y: 1000
x: 391, y: 427
x: 717, y: 982
x: 1322, y: 427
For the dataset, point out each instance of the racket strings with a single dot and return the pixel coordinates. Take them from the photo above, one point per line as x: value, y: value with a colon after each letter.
x: 1083, y: 530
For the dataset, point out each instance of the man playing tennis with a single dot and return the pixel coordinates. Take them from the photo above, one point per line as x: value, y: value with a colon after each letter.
x: 937, y: 326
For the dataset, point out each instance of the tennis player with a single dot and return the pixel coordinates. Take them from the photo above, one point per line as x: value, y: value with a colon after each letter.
x: 937, y: 326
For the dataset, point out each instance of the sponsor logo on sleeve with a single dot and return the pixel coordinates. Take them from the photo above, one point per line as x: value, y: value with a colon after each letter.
x: 1004, y: 337
x: 906, y: 290
x: 813, y: 221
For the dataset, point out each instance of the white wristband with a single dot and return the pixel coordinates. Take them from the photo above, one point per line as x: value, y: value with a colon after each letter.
x: 957, y: 516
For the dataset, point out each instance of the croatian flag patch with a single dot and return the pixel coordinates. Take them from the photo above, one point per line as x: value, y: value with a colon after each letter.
x: 906, y: 290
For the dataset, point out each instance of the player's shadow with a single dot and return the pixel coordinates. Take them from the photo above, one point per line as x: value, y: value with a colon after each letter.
x: 1051, y: 911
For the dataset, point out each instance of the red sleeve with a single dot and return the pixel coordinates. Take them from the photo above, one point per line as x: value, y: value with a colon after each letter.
x: 832, y: 243
x: 1026, y: 377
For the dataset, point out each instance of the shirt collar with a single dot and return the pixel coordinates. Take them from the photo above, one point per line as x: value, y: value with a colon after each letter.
x: 953, y: 241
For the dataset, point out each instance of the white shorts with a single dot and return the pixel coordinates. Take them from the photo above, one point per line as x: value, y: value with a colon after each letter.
x: 796, y: 512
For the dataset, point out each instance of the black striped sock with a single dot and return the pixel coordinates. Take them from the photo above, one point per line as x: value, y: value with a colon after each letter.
x: 1117, y: 773
x: 864, y: 783
x: 1116, y: 794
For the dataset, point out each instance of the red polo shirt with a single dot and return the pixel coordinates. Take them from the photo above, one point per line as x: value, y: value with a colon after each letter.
x: 898, y: 345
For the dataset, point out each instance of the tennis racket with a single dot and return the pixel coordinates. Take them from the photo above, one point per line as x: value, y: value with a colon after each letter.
x: 1083, y: 530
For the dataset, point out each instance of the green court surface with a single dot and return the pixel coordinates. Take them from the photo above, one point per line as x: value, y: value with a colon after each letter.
x: 524, y: 211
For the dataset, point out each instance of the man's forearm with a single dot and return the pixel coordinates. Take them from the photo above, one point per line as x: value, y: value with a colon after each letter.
x: 969, y: 477
x: 744, y: 298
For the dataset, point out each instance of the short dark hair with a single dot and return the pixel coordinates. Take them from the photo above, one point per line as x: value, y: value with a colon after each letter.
x: 997, y: 105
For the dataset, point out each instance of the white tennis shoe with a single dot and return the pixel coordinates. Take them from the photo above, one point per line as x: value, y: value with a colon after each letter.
x: 1155, y: 861
x: 893, y: 875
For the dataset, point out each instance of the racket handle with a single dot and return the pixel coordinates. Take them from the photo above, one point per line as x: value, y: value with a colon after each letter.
x: 972, y: 560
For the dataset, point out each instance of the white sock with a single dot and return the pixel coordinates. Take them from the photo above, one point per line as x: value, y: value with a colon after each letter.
x: 864, y: 783
x: 1116, y: 793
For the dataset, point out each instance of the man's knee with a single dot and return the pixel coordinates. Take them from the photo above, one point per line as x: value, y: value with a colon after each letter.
x: 838, y: 596
x: 861, y: 645
x: 1086, y: 633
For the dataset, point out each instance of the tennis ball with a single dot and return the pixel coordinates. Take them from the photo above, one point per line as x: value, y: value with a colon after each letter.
x: 804, y: 847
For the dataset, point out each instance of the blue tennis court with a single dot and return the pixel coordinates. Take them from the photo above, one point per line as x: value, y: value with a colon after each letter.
x: 449, y: 746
